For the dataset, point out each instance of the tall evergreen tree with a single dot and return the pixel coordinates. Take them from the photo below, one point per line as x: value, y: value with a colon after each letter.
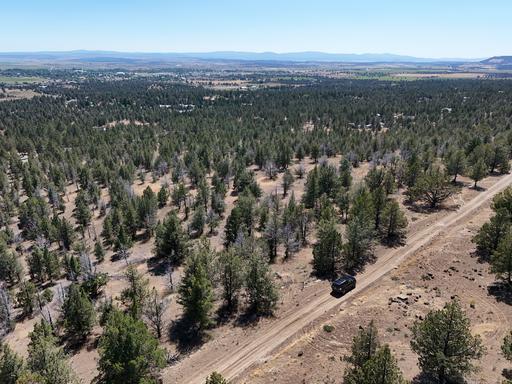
x: 196, y: 293
x: 129, y: 354
x: 445, y: 345
x: 327, y: 250
x: 260, y: 287
x: 171, y: 241
x: 78, y: 312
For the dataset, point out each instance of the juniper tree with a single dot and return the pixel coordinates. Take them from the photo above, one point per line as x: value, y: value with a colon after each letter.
x: 196, y: 293
x: 78, y: 312
x: 478, y: 171
x: 46, y: 359
x: 432, y: 187
x: 328, y: 249
x: 129, y: 353
x: 136, y: 294
x: 364, y: 345
x: 381, y: 368
x: 445, y: 345
x: 490, y: 234
x: 171, y: 241
x: 287, y: 182
x: 394, y: 223
x: 359, y: 241
x: 501, y: 259
x: 12, y: 366
x: 231, y: 268
x: 261, y: 291
x: 506, y: 346
x: 215, y: 378
x: 455, y: 164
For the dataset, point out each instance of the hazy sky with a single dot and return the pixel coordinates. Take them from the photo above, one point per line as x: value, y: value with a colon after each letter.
x: 426, y: 28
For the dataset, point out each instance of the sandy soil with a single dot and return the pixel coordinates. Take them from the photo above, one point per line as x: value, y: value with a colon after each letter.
x: 17, y: 94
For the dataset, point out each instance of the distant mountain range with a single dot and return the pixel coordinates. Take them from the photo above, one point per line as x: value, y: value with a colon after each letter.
x: 142, y: 57
x: 500, y: 62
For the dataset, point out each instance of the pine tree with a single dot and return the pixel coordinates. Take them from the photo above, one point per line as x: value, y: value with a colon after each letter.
x: 234, y: 225
x: 394, y: 223
x: 78, y: 312
x: 26, y: 297
x: 287, y: 183
x: 82, y: 212
x: 345, y: 173
x: 136, y: 294
x: 196, y: 293
x: 311, y: 190
x: 99, y: 252
x: 171, y: 241
x: 364, y: 345
x: 445, y: 345
x: 455, y: 164
x: 216, y: 378
x: 198, y: 221
x: 129, y: 353
x: 506, y: 347
x: 327, y: 250
x: 261, y: 291
x: 489, y: 235
x: 381, y: 368
x: 501, y: 259
x: 12, y: 366
x: 478, y: 171
x: 163, y: 196
x: 46, y: 359
x: 358, y: 248
x: 232, y: 271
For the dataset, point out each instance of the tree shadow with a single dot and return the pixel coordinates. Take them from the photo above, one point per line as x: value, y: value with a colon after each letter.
x: 73, y: 345
x: 225, y: 314
x: 248, y: 319
x: 478, y: 188
x: 186, y: 336
x: 481, y: 257
x: 157, y: 266
x: 425, y: 378
x: 428, y: 209
x: 394, y: 241
x: 501, y: 291
x: 507, y: 373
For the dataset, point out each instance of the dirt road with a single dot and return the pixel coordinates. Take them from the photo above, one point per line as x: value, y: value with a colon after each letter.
x: 255, y: 349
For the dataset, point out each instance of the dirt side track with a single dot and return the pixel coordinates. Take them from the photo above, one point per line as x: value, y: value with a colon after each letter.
x: 256, y: 348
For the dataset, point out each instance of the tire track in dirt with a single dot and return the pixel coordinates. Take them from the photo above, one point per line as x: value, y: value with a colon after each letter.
x: 257, y: 347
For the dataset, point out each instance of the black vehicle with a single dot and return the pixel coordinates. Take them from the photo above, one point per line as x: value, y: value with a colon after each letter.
x: 343, y: 284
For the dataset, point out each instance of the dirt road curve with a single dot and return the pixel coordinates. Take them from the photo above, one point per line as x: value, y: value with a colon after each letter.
x: 257, y: 348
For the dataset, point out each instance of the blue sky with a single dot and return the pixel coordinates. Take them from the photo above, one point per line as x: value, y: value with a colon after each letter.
x: 426, y: 28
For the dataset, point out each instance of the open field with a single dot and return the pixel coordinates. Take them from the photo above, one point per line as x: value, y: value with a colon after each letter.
x: 20, y: 80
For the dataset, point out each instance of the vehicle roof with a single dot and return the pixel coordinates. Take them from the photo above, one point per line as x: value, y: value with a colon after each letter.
x: 343, y: 279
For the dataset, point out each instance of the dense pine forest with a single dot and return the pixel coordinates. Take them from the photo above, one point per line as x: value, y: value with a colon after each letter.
x: 73, y: 156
